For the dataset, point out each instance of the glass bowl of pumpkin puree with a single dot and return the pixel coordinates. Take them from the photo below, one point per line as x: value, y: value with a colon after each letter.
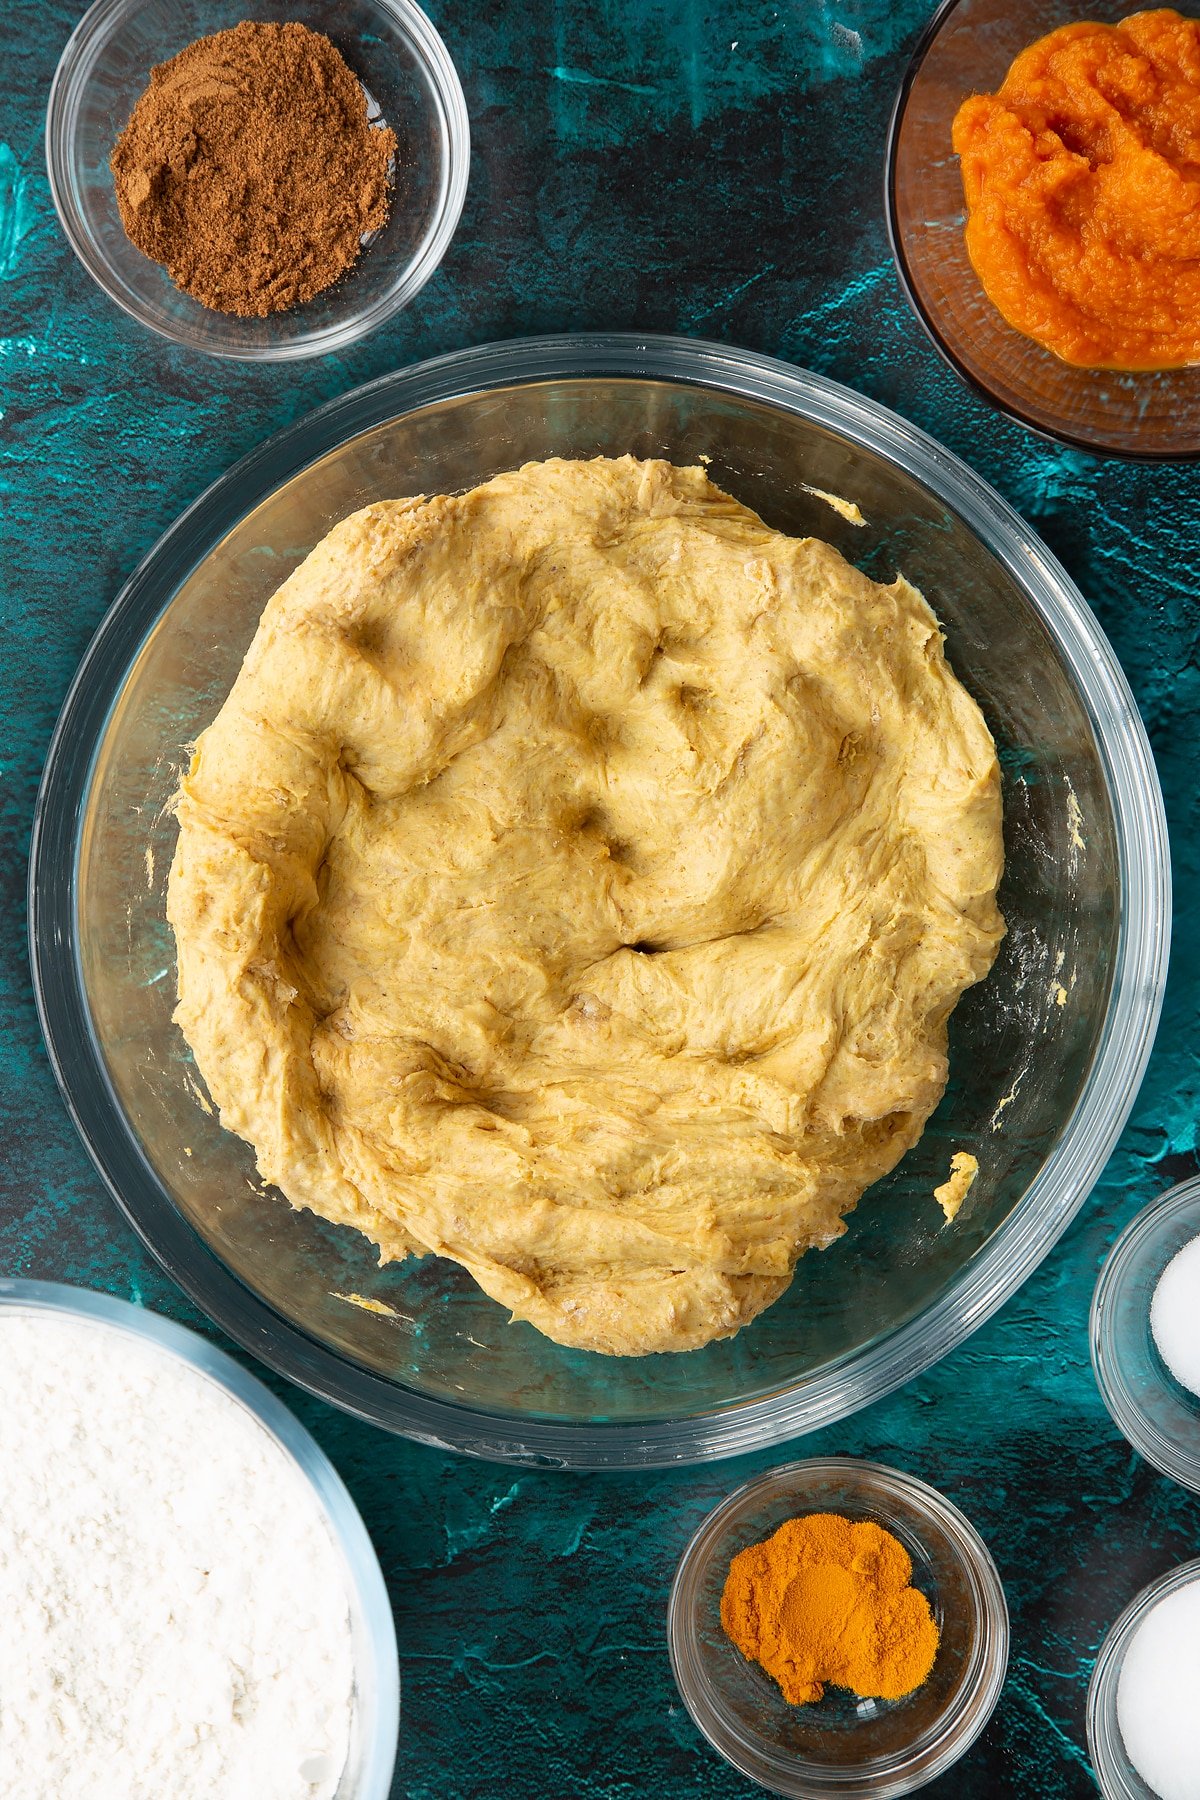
x: 841, y: 1743
x: 1075, y: 306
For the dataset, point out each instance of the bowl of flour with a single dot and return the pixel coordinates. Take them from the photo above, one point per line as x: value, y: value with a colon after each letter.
x: 192, y: 1604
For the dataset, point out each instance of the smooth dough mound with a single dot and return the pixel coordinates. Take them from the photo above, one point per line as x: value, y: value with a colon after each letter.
x: 576, y: 883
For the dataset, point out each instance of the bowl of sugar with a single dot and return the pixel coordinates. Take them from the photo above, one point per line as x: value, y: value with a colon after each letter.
x: 1143, y: 1724
x: 1145, y: 1333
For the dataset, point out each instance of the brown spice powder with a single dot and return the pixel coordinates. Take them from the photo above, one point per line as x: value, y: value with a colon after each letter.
x: 249, y: 170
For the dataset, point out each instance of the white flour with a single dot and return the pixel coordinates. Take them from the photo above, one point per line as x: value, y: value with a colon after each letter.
x: 173, y: 1615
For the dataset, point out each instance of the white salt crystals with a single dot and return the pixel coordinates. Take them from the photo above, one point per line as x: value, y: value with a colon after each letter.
x: 1158, y: 1709
x: 1175, y: 1321
x: 175, y: 1617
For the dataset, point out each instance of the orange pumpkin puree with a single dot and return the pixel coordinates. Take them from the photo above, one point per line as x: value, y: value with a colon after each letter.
x: 1082, y: 180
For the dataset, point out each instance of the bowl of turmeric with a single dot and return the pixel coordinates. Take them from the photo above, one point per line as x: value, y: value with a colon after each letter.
x: 1040, y: 197
x: 838, y: 1627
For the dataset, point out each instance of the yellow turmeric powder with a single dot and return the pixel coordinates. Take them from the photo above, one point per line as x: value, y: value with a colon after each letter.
x: 826, y: 1599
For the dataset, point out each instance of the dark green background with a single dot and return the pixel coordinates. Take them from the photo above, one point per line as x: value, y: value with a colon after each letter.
x: 658, y: 165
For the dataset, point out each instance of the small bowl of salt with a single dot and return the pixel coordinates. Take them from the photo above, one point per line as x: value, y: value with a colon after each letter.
x: 1143, y: 1724
x: 1145, y: 1333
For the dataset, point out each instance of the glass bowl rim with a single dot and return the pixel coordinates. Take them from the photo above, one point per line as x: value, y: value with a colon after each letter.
x: 69, y: 82
x: 1065, y: 1177
x: 1168, y: 1458
x: 330, y: 1494
x: 929, y: 34
x: 962, y: 1724
x: 1101, y: 1706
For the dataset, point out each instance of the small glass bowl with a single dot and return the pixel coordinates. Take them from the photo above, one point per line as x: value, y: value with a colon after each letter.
x: 855, y: 1749
x: 967, y: 48
x: 411, y: 85
x: 1116, y: 1775
x: 376, y: 1716
x: 1160, y: 1418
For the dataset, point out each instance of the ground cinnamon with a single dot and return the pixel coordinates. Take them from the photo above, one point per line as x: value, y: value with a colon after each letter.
x: 827, y: 1599
x: 248, y: 167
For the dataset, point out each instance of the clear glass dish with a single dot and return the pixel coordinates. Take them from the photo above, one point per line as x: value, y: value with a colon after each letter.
x: 967, y: 48
x: 856, y: 1749
x: 376, y: 1716
x: 1160, y: 1418
x: 1115, y: 1774
x: 1046, y: 1055
x: 408, y: 76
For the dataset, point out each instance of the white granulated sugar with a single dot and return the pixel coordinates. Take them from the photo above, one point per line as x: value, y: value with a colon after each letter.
x: 174, y: 1622
x: 1175, y: 1316
x: 1156, y: 1696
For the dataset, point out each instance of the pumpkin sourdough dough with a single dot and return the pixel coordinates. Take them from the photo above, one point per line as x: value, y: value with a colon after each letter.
x: 576, y: 883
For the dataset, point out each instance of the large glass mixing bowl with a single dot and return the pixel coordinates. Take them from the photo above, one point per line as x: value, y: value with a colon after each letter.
x: 1046, y: 1055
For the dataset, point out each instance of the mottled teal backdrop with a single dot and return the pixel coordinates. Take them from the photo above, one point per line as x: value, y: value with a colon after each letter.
x: 664, y: 165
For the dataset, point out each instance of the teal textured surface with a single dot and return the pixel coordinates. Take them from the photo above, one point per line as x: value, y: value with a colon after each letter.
x: 718, y: 171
